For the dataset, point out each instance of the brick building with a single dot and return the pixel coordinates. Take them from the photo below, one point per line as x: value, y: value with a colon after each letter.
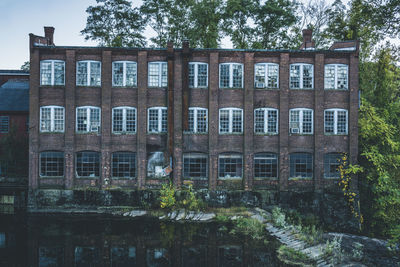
x: 221, y: 118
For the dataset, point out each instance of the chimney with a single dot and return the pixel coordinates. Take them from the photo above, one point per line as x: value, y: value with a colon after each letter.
x: 185, y: 46
x: 307, y: 40
x: 49, y: 34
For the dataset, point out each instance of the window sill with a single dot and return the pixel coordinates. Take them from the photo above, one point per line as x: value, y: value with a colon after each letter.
x: 196, y: 178
x: 52, y: 132
x: 334, y: 89
x: 229, y: 178
x: 51, y: 177
x: 53, y: 86
x: 88, y: 86
x: 266, y: 89
x: 157, y: 133
x: 124, y: 87
x: 266, y: 179
x: 90, y: 133
x: 124, y: 133
x: 124, y: 178
x: 266, y: 134
x: 201, y: 88
x: 301, y: 134
x: 300, y: 178
x: 87, y: 177
x: 329, y: 134
x: 157, y: 87
x: 232, y: 88
x: 231, y: 134
x: 308, y: 89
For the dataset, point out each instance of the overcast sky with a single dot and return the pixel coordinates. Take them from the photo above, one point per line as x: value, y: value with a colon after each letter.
x: 20, y: 17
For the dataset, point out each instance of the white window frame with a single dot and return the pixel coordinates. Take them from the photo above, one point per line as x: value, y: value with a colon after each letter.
x: 231, y: 64
x: 335, y: 121
x: 301, y: 121
x: 159, y: 119
x: 52, y: 71
x: 336, y: 76
x: 124, y: 73
x: 160, y: 63
x: 88, y: 124
x: 196, y: 73
x: 301, y: 75
x: 124, y: 111
x: 266, y: 75
x: 52, y: 119
x: 230, y: 122
x: 195, y: 117
x: 266, y: 111
x: 88, y: 72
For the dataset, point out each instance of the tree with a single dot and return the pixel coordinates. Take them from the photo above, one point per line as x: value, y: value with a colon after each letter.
x: 274, y: 20
x: 238, y: 22
x: 26, y: 66
x: 206, y: 16
x: 114, y: 23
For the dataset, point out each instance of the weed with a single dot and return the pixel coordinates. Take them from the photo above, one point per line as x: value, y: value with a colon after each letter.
x: 167, y: 196
x: 293, y: 257
x: 357, y: 253
x: 334, y: 248
x: 278, y: 218
x: 248, y: 227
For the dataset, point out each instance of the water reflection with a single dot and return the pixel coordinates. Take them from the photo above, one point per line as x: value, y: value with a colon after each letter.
x: 48, y: 241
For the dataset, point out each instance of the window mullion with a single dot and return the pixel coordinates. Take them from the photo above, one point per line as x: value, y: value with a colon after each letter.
x: 301, y: 76
x: 335, y: 121
x: 266, y: 75
x: 52, y: 72
x: 196, y: 69
x: 87, y: 119
x: 230, y: 75
x: 52, y: 119
x: 124, y: 119
x: 230, y: 120
x: 301, y: 121
x: 159, y: 74
x: 124, y: 73
x: 159, y: 120
x: 88, y: 73
x: 195, y: 120
x: 265, y: 120
x: 336, y: 76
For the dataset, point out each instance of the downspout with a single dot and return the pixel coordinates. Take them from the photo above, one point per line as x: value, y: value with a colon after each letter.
x: 185, y: 85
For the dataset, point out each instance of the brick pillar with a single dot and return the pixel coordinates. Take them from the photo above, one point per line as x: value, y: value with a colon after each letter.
x: 178, y: 130
x: 248, y: 120
x: 34, y: 119
x: 318, y: 120
x: 70, y: 81
x: 106, y: 84
x: 283, y: 121
x: 353, y: 112
x: 213, y: 120
x: 142, y: 119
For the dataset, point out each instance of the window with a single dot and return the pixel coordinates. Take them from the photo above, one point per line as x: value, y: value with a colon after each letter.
x: 301, y: 76
x: 4, y: 124
x: 198, y: 75
x: 266, y: 120
x: 157, y: 120
x: 198, y: 121
x: 266, y: 75
x: 87, y: 164
x: 3, y: 168
x: 336, y: 76
x: 124, y: 73
x: 88, y: 73
x: 230, y: 166
x: 52, y: 72
x: 52, y: 119
x: 155, y: 165
x: 51, y: 164
x: 230, y: 120
x: 301, y: 121
x: 231, y: 75
x: 265, y: 165
x: 195, y: 165
x: 124, y: 120
x: 335, y: 121
x: 158, y: 74
x: 123, y: 165
x: 331, y: 165
x: 301, y: 165
x: 87, y: 120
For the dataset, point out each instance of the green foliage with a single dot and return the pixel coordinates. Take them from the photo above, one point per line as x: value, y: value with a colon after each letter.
x: 26, y: 66
x: 114, y: 23
x: 190, y: 201
x: 294, y: 257
x: 278, y: 218
x: 167, y: 196
x: 334, y: 249
x: 250, y: 227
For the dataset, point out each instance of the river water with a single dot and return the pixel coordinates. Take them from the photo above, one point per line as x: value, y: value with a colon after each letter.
x: 85, y: 241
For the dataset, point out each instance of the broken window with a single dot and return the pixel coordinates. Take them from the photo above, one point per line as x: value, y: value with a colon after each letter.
x: 52, y: 119
x: 198, y: 121
x: 87, y: 119
x: 230, y: 166
x: 231, y: 75
x: 157, y: 120
x: 52, y: 72
x: 195, y: 165
x: 230, y: 120
x: 156, y: 165
x: 301, y: 121
x: 124, y: 73
x: 51, y: 164
x: 88, y: 73
x: 123, y: 165
x: 124, y: 120
x: 331, y: 165
x: 88, y: 164
x: 266, y: 75
x: 335, y: 121
x: 158, y: 74
x: 301, y: 165
x: 198, y: 75
x: 265, y: 165
x: 266, y: 120
x: 336, y: 76
x: 301, y: 76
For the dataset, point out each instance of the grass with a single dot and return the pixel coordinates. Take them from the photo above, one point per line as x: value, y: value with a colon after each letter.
x: 294, y: 257
x: 248, y: 227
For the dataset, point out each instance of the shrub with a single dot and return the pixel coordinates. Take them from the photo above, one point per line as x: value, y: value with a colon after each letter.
x: 294, y: 257
x: 278, y: 218
x: 248, y: 227
x: 167, y: 196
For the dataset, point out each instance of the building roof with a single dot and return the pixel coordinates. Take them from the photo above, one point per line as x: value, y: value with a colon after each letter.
x: 14, y: 95
x: 14, y: 72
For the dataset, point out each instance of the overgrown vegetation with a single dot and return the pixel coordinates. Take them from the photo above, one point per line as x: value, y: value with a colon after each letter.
x: 294, y: 257
x: 188, y: 199
x: 167, y: 196
x: 249, y: 227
